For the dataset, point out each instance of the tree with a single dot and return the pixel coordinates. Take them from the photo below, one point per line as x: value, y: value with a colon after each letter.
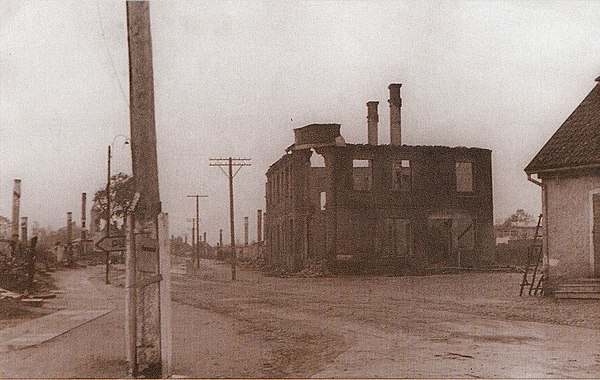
x: 519, y: 217
x: 121, y: 195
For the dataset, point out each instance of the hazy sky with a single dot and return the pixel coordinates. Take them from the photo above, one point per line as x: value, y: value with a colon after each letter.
x: 234, y: 78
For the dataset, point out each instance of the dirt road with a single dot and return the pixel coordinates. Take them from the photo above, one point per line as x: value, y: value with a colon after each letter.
x: 471, y: 325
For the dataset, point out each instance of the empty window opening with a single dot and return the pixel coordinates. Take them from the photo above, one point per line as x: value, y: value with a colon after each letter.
x: 401, y: 175
x: 323, y: 200
x: 464, y: 177
x: 317, y: 160
x: 361, y: 163
x: 362, y: 175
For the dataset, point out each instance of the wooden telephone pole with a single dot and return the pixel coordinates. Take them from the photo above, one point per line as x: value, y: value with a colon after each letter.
x: 148, y: 283
x: 230, y: 163
x: 197, y: 233
x: 108, y: 218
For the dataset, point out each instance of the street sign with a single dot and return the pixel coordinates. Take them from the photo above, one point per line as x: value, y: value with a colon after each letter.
x: 146, y: 253
x: 111, y: 243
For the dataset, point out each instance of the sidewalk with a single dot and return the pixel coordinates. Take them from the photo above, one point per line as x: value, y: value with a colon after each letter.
x: 84, y: 339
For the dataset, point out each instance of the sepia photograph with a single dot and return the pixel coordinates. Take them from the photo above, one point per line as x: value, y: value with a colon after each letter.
x: 329, y: 189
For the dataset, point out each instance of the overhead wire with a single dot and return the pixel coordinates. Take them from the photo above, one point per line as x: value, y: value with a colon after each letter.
x: 110, y: 57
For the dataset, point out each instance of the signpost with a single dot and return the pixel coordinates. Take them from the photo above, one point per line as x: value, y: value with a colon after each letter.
x: 112, y: 243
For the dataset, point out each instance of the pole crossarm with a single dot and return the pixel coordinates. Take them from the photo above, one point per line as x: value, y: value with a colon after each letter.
x: 225, y: 162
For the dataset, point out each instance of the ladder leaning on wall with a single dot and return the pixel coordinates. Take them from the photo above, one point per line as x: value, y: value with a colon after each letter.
x: 534, y: 259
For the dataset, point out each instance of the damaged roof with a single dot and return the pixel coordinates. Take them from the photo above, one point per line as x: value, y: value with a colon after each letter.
x: 577, y: 142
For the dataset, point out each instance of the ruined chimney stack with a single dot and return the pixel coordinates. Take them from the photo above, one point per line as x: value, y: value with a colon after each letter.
x: 395, y: 114
x: 372, y: 122
x: 16, y: 205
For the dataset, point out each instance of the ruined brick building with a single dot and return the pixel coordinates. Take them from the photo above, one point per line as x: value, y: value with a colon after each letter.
x: 404, y: 206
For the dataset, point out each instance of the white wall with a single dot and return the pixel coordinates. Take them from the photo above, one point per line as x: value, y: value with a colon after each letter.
x: 569, y: 226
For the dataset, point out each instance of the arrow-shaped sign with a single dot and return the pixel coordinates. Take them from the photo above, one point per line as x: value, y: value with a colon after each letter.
x: 111, y: 243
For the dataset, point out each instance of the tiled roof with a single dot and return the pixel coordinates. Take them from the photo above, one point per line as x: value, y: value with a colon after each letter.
x: 577, y: 142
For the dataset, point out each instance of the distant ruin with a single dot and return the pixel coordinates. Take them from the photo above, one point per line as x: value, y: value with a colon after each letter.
x: 404, y: 207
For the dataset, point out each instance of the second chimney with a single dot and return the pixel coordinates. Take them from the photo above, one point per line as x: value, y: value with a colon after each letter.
x: 372, y: 122
x: 395, y: 115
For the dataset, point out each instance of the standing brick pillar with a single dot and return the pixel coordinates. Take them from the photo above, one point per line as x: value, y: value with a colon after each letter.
x: 259, y: 226
x: 372, y: 122
x: 16, y: 204
x: 395, y: 114
x: 24, y: 232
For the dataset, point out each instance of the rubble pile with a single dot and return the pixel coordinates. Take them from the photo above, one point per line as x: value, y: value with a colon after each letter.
x: 315, y: 268
x: 14, y: 276
x: 252, y: 262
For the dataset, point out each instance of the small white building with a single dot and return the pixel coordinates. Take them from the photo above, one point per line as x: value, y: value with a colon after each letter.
x: 568, y: 171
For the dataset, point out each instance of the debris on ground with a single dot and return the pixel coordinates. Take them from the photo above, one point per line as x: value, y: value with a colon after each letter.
x: 314, y: 268
x: 7, y: 294
x: 251, y: 262
x: 14, y: 276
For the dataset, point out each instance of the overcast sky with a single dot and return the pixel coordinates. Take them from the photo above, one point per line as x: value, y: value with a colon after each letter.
x: 234, y: 78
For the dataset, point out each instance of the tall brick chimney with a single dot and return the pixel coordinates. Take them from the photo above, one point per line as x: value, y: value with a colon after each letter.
x: 395, y: 114
x: 16, y: 205
x: 372, y: 122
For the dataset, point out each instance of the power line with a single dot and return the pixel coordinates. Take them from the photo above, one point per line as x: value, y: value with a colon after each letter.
x: 110, y: 57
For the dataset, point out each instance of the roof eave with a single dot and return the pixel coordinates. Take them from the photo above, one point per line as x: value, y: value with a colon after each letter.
x: 560, y: 169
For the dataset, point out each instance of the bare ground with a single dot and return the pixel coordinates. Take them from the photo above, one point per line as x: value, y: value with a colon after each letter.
x: 467, y: 326
x: 397, y: 326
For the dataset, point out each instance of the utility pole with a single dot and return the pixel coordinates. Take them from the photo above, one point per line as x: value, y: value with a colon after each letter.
x: 194, y: 236
x: 196, y: 251
x: 83, y: 220
x: 230, y: 163
x: 69, y: 245
x: 220, y: 243
x: 149, y: 334
x: 193, y: 220
x: 108, y: 217
x: 245, y: 230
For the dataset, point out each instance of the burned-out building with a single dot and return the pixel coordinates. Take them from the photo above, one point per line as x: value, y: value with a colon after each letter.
x: 400, y: 205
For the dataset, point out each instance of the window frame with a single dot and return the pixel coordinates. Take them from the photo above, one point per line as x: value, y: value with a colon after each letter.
x: 369, y: 167
x: 472, y: 175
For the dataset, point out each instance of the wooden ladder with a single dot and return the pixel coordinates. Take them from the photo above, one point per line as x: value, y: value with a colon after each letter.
x: 534, y: 258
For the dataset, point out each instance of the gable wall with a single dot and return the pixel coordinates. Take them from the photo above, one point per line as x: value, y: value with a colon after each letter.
x: 569, y: 226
